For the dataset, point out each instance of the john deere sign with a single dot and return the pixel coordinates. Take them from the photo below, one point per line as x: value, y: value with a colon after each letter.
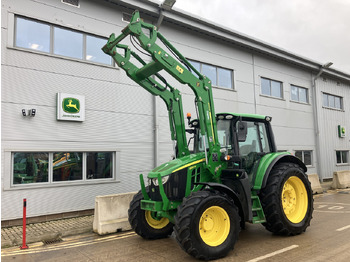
x: 70, y: 107
x: 341, y: 131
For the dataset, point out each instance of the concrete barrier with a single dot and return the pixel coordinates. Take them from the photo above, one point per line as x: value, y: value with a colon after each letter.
x: 315, y: 184
x: 341, y: 179
x: 111, y: 213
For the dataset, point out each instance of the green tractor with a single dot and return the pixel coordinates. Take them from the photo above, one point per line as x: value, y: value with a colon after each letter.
x: 232, y: 175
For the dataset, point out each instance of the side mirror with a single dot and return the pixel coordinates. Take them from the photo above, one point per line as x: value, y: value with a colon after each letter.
x: 242, y: 131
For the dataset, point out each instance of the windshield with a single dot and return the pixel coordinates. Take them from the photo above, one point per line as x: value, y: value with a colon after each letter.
x: 224, y: 137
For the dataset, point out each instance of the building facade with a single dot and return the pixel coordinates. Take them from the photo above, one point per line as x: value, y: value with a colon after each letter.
x: 74, y: 126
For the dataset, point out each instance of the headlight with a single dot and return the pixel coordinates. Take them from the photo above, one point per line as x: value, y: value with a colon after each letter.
x: 164, y: 180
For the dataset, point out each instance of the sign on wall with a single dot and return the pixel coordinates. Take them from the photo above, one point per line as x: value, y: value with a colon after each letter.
x: 70, y: 107
x: 341, y: 131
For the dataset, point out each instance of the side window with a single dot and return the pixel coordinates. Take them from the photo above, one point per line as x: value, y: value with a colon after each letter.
x: 257, y: 140
x: 224, y: 134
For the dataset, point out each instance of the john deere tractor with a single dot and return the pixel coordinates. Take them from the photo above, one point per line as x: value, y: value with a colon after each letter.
x: 232, y: 175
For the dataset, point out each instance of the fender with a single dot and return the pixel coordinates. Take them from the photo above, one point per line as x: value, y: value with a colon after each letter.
x: 244, y: 212
x: 268, y: 162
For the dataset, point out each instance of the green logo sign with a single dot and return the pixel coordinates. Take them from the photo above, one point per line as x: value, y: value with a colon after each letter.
x: 71, y: 105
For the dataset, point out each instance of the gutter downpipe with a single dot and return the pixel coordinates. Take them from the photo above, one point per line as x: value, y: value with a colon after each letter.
x: 166, y: 5
x: 317, y: 127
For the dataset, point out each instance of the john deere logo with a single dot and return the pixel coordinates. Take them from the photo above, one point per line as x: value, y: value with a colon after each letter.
x: 71, y: 105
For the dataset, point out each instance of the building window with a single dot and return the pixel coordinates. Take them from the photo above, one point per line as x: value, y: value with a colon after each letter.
x: 299, y: 94
x: 30, y: 168
x: 332, y: 101
x: 99, y: 165
x: 67, y: 166
x: 220, y: 77
x: 54, y: 167
x: 71, y: 2
x: 271, y: 88
x: 32, y: 35
x: 342, y: 157
x: 52, y: 39
x: 305, y: 156
x: 67, y: 43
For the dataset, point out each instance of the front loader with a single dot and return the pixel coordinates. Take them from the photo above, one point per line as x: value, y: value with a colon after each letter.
x: 233, y: 174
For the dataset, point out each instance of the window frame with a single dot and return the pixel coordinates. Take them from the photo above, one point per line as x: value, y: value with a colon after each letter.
x: 12, y: 40
x: 232, y: 72
x: 298, y: 88
x: 333, y: 96
x: 303, y: 157
x: 10, y: 185
x: 270, y: 87
x: 341, y: 157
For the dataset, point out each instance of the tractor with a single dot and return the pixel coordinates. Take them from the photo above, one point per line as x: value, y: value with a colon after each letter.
x: 233, y: 174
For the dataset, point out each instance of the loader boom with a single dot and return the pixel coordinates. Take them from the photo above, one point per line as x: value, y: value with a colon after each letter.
x: 174, y: 63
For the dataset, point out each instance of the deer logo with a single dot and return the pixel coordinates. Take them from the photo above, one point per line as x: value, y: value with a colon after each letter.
x: 71, y: 105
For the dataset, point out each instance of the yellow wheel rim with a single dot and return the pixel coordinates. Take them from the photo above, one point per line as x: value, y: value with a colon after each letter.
x: 294, y: 199
x: 156, y: 223
x: 214, y: 226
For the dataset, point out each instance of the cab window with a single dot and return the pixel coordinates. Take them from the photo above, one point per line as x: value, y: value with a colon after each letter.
x: 256, y: 140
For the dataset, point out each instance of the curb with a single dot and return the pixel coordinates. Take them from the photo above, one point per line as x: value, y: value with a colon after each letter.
x: 46, y: 232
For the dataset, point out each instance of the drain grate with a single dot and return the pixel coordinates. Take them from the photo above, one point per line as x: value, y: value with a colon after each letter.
x: 52, y: 241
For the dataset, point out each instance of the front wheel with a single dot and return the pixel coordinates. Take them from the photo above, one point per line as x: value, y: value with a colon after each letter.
x: 145, y: 223
x: 287, y: 200
x: 207, y: 225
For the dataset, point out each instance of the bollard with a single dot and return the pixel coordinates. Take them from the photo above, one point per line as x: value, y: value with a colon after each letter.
x: 24, y: 246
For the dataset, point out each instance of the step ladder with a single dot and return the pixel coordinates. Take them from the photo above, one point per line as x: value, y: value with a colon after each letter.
x: 258, y: 212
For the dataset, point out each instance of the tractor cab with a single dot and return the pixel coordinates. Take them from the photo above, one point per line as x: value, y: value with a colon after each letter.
x: 244, y: 139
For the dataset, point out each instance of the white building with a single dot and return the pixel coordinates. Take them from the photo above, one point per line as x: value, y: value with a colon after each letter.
x: 51, y: 51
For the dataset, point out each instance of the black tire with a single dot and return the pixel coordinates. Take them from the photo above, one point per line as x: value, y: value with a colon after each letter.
x: 189, y: 218
x: 143, y: 227
x: 292, y: 215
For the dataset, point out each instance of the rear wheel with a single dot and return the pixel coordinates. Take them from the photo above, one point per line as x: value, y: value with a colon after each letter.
x: 287, y: 200
x: 145, y: 223
x: 207, y: 225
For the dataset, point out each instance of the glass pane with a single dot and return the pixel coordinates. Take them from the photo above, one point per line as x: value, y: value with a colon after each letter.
x: 265, y: 86
x: 276, y: 89
x: 99, y: 165
x: 68, y: 43
x: 224, y: 134
x: 299, y: 154
x: 331, y: 102
x: 263, y: 137
x: 325, y: 100
x: 210, y: 72
x: 294, y: 93
x: 32, y: 35
x: 251, y: 144
x: 67, y: 166
x: 337, y: 103
x: 196, y: 65
x: 303, y: 95
x: 307, y: 158
x: 344, y: 156
x: 94, y: 52
x: 30, y: 168
x: 224, y: 78
x: 338, y: 153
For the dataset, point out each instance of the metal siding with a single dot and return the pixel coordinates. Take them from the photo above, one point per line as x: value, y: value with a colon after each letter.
x: 328, y: 120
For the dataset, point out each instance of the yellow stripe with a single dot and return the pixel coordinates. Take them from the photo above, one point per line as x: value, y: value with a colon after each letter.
x: 190, y: 164
x: 211, y: 123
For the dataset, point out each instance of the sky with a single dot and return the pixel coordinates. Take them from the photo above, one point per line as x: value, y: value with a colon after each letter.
x: 315, y: 29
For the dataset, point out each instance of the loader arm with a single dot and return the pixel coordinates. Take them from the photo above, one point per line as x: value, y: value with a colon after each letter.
x: 178, y: 67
